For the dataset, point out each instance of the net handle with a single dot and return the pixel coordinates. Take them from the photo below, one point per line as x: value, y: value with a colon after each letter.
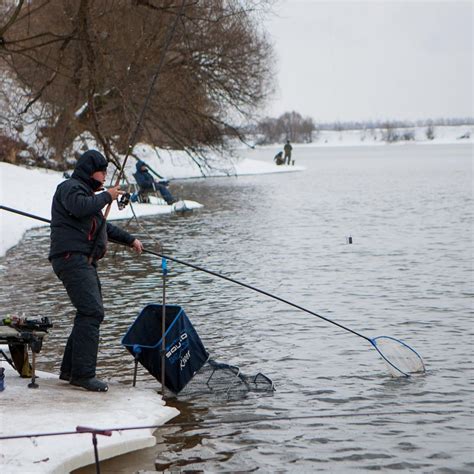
x: 266, y: 293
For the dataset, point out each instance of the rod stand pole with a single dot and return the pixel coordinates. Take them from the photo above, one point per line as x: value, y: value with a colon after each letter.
x: 135, y: 372
x: 94, y: 432
x: 164, y: 269
x: 96, y: 453
x: 33, y: 383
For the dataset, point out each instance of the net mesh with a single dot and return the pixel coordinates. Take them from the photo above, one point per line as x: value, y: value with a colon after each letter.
x: 399, y: 357
x: 225, y: 380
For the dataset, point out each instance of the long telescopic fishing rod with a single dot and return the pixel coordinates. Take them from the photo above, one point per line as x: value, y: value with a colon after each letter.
x: 400, y: 357
x: 26, y: 214
x: 258, y: 290
x: 136, y: 131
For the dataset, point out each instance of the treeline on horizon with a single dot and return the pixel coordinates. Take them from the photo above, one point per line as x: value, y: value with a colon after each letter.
x: 371, y: 124
x: 298, y: 129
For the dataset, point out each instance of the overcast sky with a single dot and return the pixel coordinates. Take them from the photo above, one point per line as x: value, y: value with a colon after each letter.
x: 380, y: 59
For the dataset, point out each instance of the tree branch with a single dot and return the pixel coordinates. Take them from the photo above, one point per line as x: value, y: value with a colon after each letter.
x: 10, y: 22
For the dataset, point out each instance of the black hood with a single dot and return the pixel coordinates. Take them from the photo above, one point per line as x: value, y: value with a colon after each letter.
x: 90, y: 162
x: 139, y: 166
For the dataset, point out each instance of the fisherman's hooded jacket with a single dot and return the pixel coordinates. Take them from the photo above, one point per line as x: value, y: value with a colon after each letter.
x: 76, y: 212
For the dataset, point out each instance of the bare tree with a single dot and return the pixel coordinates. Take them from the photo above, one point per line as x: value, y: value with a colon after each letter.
x: 289, y: 126
x: 430, y: 132
x: 90, y: 63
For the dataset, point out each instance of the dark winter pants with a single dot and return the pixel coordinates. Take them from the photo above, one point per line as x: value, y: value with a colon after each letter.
x: 163, y: 190
x: 165, y: 193
x: 82, y: 284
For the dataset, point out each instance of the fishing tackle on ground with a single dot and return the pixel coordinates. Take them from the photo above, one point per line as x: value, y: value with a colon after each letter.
x: 21, y: 333
x: 23, y: 323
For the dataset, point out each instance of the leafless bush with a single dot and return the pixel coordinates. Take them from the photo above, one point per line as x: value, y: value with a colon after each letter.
x: 430, y: 133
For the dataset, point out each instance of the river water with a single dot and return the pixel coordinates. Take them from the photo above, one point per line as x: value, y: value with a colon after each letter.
x: 407, y: 274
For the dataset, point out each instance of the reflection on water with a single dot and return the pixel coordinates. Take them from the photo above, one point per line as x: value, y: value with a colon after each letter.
x: 407, y: 275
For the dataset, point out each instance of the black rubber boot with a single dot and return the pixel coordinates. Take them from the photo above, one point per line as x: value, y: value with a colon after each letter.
x: 64, y: 376
x: 91, y: 384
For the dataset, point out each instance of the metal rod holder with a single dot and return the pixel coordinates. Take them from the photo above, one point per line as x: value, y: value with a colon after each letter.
x: 33, y: 383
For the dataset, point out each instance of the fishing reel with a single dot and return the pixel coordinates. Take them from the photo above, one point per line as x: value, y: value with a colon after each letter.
x: 123, y: 201
x: 23, y: 323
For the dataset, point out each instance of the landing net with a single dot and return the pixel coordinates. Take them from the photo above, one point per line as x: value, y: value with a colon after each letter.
x: 399, y: 357
x: 186, y: 360
x: 225, y: 380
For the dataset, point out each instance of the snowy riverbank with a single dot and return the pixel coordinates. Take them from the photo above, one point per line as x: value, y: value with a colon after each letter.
x: 58, y: 407
x: 31, y: 189
x: 379, y: 136
x: 393, y: 136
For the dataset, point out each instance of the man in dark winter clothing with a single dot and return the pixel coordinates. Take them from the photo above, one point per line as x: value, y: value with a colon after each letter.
x: 287, y: 148
x: 147, y: 183
x: 78, y: 239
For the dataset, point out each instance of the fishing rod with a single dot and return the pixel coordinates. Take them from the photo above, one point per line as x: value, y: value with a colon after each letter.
x: 240, y: 420
x: 134, y: 135
x: 398, y: 355
x: 26, y: 214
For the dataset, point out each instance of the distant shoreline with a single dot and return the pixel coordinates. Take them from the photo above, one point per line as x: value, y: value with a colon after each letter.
x: 446, y: 135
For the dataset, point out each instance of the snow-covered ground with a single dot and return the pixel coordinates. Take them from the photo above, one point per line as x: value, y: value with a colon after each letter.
x: 58, y: 407
x: 378, y: 137
x: 178, y: 165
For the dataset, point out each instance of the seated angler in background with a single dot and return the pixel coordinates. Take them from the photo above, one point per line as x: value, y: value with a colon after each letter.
x: 278, y: 158
x: 147, y: 184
